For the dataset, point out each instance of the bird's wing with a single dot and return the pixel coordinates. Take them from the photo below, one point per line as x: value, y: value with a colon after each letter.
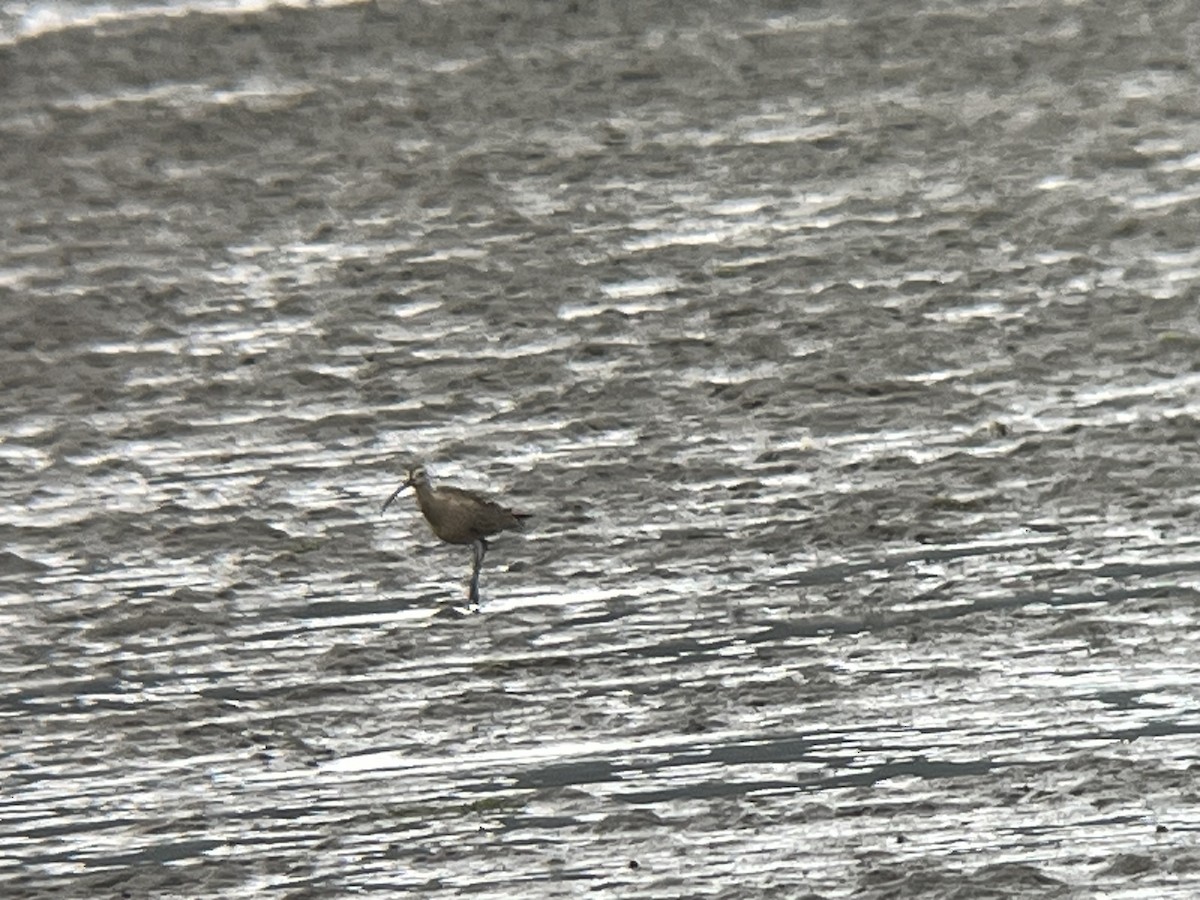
x: 469, y: 498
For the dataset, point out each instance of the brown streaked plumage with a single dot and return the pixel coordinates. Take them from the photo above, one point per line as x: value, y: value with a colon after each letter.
x: 459, y: 517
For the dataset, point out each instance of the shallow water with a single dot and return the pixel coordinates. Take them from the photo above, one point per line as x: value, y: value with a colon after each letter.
x: 846, y: 359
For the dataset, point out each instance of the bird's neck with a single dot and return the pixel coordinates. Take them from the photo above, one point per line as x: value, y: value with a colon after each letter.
x: 424, y: 494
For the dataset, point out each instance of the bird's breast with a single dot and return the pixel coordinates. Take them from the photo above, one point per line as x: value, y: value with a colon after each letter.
x: 449, y: 520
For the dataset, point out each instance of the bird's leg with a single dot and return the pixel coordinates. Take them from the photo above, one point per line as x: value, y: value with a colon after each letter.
x: 478, y: 549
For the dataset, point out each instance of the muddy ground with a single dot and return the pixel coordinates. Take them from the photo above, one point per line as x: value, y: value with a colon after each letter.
x: 848, y: 358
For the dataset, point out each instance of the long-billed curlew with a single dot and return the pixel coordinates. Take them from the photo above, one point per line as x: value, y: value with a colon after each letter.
x: 460, y: 517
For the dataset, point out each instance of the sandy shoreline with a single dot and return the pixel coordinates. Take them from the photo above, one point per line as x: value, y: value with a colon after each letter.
x: 846, y: 358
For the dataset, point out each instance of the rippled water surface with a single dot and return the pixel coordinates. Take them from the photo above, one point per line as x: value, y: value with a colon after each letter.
x: 846, y: 356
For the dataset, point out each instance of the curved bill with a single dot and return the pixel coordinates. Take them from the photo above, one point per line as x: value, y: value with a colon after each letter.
x: 408, y: 482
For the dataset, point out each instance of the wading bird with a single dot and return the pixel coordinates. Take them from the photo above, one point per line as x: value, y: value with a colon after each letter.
x: 459, y: 517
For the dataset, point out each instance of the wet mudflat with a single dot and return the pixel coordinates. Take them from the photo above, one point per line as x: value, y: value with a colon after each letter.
x: 848, y: 358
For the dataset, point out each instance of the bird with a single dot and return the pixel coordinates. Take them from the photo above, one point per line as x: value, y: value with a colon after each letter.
x: 458, y: 516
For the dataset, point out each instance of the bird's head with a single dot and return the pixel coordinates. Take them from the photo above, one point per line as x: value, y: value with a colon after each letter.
x: 416, y: 476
